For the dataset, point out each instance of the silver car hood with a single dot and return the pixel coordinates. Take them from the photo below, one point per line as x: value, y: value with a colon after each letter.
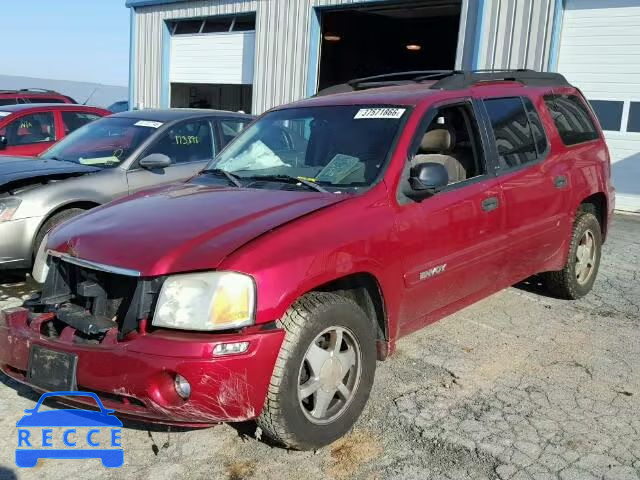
x: 16, y: 169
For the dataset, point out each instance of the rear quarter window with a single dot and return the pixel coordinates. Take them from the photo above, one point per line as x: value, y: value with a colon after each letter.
x: 572, y: 119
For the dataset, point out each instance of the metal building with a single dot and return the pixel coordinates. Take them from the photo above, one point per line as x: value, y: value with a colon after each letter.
x: 252, y: 55
x: 286, y: 49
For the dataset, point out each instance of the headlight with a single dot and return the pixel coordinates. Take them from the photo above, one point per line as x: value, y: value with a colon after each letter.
x: 206, y: 301
x: 8, y: 207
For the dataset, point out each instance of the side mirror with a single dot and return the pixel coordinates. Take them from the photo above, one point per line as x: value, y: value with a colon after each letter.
x: 427, y: 179
x: 155, y: 161
x: 3, y: 142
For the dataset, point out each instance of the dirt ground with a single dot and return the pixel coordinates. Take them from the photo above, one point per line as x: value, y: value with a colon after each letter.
x: 518, y: 386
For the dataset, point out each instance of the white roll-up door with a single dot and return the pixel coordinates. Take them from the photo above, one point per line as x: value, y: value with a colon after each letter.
x: 600, y: 54
x: 216, y: 58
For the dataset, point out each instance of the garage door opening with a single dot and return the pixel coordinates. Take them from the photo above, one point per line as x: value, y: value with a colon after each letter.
x: 211, y: 62
x: 416, y: 35
x: 217, y: 96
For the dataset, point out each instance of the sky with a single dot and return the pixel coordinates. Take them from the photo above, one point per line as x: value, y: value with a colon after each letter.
x: 83, y: 40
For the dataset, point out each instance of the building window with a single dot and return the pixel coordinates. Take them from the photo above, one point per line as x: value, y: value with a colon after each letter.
x: 633, y: 125
x: 239, y: 23
x: 572, y: 119
x: 609, y: 113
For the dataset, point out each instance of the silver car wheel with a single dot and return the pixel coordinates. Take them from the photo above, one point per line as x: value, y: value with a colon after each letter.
x: 329, y: 375
x: 585, y: 257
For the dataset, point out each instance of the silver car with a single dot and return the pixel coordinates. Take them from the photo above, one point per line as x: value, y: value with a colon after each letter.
x: 105, y: 159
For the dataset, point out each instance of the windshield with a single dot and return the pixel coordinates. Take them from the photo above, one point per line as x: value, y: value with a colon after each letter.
x: 107, y: 142
x: 336, y: 146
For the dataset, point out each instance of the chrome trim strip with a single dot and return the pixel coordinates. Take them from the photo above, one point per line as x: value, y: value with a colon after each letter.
x: 94, y: 265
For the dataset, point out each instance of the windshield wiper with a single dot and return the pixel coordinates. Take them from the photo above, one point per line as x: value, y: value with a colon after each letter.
x: 233, y: 179
x: 289, y: 179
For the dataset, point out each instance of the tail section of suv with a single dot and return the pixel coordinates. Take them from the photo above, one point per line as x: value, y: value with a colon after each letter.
x: 266, y: 287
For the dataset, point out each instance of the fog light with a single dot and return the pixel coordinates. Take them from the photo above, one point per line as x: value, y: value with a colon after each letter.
x: 230, y: 348
x: 183, y: 389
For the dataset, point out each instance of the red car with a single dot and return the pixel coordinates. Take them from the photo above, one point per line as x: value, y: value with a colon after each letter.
x: 32, y: 95
x: 267, y: 287
x: 28, y: 130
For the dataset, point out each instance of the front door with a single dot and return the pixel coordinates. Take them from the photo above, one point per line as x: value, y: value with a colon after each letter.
x: 190, y: 145
x: 29, y: 134
x: 452, y: 241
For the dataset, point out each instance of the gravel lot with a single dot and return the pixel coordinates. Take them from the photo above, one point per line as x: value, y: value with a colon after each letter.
x: 518, y: 386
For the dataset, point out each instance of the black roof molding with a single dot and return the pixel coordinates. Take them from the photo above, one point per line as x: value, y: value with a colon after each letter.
x: 450, y: 79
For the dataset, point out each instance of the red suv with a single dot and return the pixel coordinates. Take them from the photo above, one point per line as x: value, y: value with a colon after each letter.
x: 267, y: 286
x: 28, y: 130
x: 32, y: 95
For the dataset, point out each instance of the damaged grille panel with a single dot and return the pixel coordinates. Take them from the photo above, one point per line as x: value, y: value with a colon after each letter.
x: 93, y: 301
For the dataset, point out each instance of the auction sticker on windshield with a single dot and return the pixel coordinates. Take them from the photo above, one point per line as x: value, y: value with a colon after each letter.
x: 379, y: 113
x: 148, y: 123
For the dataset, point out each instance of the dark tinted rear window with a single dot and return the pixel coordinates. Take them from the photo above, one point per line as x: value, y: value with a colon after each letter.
x: 8, y: 101
x: 572, y: 119
x: 512, y: 131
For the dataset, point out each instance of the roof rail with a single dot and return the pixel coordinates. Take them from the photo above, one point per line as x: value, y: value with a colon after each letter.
x: 37, y: 90
x: 532, y: 78
x: 450, y: 79
x: 23, y: 90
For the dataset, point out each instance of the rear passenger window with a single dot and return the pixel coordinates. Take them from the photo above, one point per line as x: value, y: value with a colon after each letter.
x: 572, y: 119
x: 513, y: 131
x: 74, y: 120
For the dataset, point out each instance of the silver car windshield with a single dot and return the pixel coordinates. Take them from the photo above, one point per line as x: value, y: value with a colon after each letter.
x: 105, y: 143
x: 335, y: 146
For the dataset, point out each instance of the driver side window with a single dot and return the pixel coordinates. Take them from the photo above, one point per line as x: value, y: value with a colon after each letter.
x: 452, y: 140
x: 29, y: 129
x: 186, y: 142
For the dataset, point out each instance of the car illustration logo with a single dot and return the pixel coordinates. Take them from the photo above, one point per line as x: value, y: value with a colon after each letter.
x: 69, y: 434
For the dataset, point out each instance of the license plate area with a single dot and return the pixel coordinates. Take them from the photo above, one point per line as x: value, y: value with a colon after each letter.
x: 52, y: 370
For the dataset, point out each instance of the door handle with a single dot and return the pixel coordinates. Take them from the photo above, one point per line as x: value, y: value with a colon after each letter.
x: 560, y: 181
x: 489, y: 204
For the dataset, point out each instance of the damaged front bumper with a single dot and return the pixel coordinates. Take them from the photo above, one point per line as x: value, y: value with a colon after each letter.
x: 136, y: 376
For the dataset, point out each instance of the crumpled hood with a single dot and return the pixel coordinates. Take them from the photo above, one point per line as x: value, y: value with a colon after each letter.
x: 181, y: 227
x: 21, y: 168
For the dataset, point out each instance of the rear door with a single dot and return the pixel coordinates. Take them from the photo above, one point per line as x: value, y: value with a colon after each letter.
x: 535, y: 185
x: 452, y: 241
x: 30, y: 133
x: 189, y: 144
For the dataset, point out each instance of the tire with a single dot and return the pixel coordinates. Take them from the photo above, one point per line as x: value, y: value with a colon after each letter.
x: 566, y: 283
x: 311, y: 325
x: 53, y: 222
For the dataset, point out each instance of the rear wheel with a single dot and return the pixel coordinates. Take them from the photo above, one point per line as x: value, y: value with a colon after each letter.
x: 323, y: 374
x: 577, y: 277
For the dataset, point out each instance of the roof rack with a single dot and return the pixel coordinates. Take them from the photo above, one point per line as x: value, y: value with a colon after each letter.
x: 451, y: 79
x: 33, y: 90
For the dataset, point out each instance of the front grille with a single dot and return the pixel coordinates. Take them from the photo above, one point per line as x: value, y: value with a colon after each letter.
x: 92, y: 301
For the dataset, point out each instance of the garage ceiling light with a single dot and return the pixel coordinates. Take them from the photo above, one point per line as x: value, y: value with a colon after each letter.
x: 413, y: 47
x: 331, y: 37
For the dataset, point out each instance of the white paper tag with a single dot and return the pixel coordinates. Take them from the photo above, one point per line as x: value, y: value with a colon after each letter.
x: 5, y: 114
x: 148, y: 123
x: 379, y: 113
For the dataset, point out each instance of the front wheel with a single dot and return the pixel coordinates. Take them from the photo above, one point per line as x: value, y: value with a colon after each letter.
x: 577, y: 277
x: 323, y: 374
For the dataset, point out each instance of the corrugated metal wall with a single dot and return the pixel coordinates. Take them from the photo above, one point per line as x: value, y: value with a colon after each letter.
x: 514, y: 34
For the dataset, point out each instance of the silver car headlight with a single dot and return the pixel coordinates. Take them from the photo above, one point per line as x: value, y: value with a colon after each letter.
x: 206, y: 301
x: 8, y: 207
